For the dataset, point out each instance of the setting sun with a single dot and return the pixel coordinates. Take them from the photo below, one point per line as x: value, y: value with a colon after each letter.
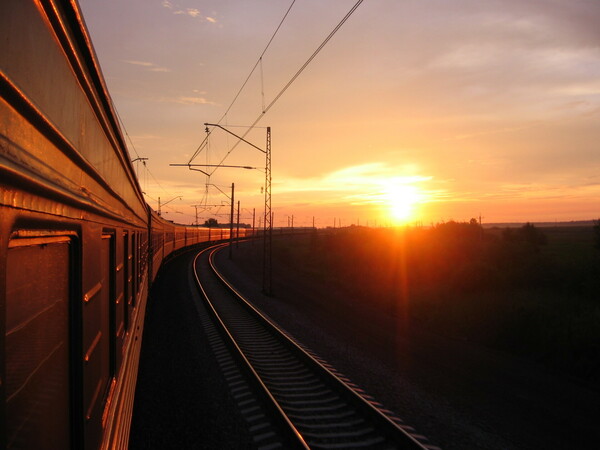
x: 402, y: 200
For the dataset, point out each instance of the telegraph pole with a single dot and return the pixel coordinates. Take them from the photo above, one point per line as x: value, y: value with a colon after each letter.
x: 237, y: 234
x: 163, y: 204
x: 268, y: 215
x: 253, y: 228
x: 231, y: 223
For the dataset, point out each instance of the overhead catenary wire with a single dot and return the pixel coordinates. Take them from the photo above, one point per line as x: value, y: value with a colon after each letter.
x: 309, y: 60
x: 146, y: 169
x: 291, y: 81
x: 124, y: 129
x: 258, y: 61
x: 199, y: 149
x: 262, y: 85
x: 156, y: 181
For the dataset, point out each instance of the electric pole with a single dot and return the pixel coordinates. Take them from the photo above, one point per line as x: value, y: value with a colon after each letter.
x: 231, y: 222
x: 237, y: 236
x: 268, y: 223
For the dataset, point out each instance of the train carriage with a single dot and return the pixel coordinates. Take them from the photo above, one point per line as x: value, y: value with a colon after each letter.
x: 79, y: 246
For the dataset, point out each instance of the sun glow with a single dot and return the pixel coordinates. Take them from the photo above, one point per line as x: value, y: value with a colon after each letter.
x: 403, y: 200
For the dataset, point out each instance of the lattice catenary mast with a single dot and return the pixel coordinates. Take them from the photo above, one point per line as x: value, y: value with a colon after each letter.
x: 268, y: 222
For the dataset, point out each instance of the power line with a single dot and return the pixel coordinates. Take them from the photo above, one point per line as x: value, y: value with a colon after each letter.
x: 289, y: 83
x: 124, y: 129
x: 122, y: 124
x: 315, y: 53
x: 155, y: 180
x: 258, y: 61
x: 203, y: 144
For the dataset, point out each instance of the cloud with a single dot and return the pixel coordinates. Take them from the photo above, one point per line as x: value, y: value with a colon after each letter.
x: 150, y: 66
x: 502, y: 130
x: 145, y: 136
x: 178, y: 99
x: 139, y: 63
x: 365, y: 184
x: 190, y: 12
x: 193, y: 101
x: 584, y: 88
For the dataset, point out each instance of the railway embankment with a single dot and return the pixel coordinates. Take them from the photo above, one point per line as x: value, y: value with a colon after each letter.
x: 182, y: 400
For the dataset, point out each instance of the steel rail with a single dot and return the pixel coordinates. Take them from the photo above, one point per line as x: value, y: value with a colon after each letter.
x: 290, y: 437
x: 324, y: 409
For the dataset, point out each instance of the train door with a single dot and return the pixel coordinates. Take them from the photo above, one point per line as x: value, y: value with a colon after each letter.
x: 127, y: 278
x: 133, y: 273
x: 96, y: 345
x: 37, y: 350
x: 118, y: 303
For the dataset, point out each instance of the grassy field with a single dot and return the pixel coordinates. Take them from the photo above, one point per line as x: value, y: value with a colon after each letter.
x: 537, y: 297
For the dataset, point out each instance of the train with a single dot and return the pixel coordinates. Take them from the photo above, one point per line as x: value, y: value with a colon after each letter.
x: 79, y: 245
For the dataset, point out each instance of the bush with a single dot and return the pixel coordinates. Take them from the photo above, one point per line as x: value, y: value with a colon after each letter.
x: 528, y: 234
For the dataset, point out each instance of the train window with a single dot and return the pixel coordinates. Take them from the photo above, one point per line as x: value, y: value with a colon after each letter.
x: 37, y: 342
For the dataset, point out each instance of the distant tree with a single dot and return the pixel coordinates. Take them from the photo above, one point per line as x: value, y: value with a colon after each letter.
x: 597, y: 234
x: 211, y: 223
x: 459, y: 230
x: 528, y: 234
x: 508, y: 234
x: 532, y: 235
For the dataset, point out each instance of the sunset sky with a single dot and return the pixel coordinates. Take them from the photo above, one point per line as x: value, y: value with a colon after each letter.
x: 416, y: 110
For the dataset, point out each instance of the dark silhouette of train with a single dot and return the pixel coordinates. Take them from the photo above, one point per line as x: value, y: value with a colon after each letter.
x: 79, y: 246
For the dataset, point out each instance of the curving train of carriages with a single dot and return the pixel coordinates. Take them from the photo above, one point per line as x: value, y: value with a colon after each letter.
x: 79, y: 246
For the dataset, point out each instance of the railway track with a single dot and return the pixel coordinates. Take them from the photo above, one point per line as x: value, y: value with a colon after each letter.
x: 291, y: 398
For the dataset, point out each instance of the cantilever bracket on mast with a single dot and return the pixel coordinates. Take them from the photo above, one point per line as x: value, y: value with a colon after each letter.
x: 233, y: 134
x: 191, y: 166
x: 200, y: 170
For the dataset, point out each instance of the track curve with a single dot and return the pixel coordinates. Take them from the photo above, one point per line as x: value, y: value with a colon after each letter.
x: 316, y: 403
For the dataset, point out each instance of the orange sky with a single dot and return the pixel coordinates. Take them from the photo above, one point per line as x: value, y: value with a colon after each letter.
x: 449, y: 109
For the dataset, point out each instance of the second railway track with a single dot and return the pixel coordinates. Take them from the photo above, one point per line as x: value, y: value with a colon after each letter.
x: 308, y: 405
